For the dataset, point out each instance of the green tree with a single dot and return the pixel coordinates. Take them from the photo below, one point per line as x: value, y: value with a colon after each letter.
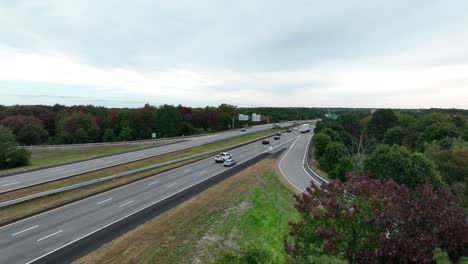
x: 333, y: 153
x: 125, y: 134
x: 342, y: 167
x: 109, y: 135
x: 11, y: 155
x: 32, y: 135
x: 168, y: 121
x: 401, y: 165
x: 320, y: 141
x: 395, y: 135
x: 381, y: 121
x: 6, y: 135
x: 440, y: 131
x: 80, y: 136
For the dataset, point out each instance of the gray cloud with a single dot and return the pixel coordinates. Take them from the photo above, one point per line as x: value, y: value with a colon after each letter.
x: 241, y: 36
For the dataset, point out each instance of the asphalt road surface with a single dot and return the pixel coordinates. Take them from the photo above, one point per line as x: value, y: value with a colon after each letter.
x: 26, y: 179
x: 37, y: 237
x: 292, y: 163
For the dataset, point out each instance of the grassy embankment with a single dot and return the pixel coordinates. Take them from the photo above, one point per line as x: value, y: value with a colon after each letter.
x: 51, y: 200
x: 250, y: 209
x: 50, y: 156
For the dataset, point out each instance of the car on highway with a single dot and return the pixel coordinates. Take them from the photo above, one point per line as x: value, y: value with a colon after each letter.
x: 277, y: 137
x: 221, y: 157
x: 229, y: 163
x: 289, y: 130
x: 243, y: 129
x: 265, y: 142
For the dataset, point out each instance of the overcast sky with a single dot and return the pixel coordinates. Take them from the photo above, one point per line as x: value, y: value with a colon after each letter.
x: 398, y: 53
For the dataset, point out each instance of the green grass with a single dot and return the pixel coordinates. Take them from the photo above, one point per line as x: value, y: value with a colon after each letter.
x: 48, y: 156
x: 250, y: 208
x: 263, y: 225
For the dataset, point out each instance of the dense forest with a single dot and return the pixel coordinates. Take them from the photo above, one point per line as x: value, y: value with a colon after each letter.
x: 59, y: 124
x: 398, y: 191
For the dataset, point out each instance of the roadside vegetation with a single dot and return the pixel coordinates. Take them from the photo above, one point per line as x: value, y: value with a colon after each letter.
x: 398, y: 192
x: 243, y: 217
x: 51, y: 200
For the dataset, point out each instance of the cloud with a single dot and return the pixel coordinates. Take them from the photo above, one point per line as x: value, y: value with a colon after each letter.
x: 277, y: 53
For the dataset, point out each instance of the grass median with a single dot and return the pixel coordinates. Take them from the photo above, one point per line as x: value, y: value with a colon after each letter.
x: 250, y: 210
x: 13, y: 211
x: 50, y: 156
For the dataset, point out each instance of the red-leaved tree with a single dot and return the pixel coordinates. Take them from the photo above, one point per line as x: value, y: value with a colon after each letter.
x: 374, y: 221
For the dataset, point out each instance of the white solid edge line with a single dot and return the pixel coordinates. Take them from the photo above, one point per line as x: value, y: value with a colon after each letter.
x: 307, y: 163
x: 282, y: 173
x: 134, y: 212
x: 22, y: 231
x: 304, y: 161
x: 126, y: 203
x: 104, y: 201
x: 53, y: 234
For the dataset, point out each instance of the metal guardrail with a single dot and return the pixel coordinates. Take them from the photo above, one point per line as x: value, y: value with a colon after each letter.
x: 119, y: 175
x: 308, y: 163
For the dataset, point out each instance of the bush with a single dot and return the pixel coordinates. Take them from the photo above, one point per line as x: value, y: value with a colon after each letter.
x: 12, y: 156
x: 374, y: 221
x: 247, y: 255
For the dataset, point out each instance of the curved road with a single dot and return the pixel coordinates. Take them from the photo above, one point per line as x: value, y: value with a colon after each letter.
x: 36, y: 237
x: 25, y: 179
x: 293, y: 164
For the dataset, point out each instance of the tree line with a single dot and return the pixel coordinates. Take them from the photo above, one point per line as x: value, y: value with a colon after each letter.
x: 58, y: 124
x: 397, y: 194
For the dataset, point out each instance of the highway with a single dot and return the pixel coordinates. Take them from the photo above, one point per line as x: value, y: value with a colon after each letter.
x: 293, y: 164
x: 25, y: 179
x: 33, y: 238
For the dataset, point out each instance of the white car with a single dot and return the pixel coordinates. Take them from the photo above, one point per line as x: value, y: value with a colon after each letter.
x: 221, y: 157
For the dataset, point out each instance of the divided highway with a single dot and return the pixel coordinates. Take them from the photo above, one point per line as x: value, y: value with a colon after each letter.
x: 35, y: 238
x: 293, y: 164
x: 21, y: 180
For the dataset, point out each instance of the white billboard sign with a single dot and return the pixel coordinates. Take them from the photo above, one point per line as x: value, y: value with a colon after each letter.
x: 243, y: 117
x: 256, y: 118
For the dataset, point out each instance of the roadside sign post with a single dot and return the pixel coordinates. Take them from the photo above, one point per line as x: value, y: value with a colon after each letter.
x: 153, y: 136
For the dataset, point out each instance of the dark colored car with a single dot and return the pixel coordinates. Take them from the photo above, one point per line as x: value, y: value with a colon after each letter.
x: 277, y: 137
x: 289, y: 130
x: 265, y: 142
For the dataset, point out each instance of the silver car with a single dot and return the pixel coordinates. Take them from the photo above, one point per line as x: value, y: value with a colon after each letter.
x: 229, y: 163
